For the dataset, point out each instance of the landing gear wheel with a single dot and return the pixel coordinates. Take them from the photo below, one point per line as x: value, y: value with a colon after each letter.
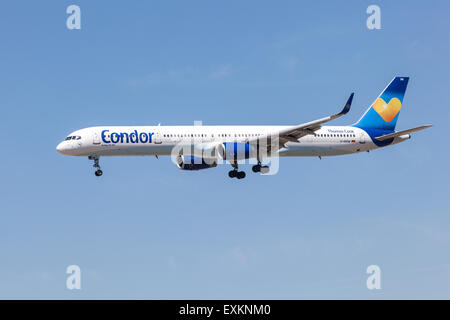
x: 256, y: 168
x: 98, y: 173
x: 241, y: 175
x: 232, y: 173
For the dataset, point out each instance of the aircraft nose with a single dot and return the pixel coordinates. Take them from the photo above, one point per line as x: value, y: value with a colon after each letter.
x: 60, y: 147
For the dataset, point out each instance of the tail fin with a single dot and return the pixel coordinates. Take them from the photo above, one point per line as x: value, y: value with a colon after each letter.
x: 384, y: 112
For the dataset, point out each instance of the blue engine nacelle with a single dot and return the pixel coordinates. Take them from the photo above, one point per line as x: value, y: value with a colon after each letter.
x: 194, y: 163
x: 236, y: 151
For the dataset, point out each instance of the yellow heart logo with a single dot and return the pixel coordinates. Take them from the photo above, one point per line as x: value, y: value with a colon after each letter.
x: 387, y: 111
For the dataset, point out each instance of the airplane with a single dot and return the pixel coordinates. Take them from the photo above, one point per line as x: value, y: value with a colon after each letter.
x: 203, y: 147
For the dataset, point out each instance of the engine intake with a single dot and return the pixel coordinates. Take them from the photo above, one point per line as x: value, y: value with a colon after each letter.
x: 194, y: 163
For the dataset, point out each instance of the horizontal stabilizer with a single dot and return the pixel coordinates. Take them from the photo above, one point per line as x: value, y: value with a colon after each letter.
x: 400, y: 133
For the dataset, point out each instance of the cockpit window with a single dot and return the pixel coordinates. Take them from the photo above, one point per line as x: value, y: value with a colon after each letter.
x: 73, y: 138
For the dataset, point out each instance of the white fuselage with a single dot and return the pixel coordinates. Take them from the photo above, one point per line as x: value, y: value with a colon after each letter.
x: 160, y: 140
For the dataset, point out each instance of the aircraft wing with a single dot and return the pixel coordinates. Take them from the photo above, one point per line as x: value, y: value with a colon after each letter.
x: 400, y: 133
x: 296, y: 132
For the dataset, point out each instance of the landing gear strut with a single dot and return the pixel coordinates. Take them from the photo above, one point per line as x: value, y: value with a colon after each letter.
x: 235, y: 173
x: 96, y: 165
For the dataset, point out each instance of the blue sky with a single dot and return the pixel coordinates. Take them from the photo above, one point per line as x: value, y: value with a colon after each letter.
x: 148, y: 230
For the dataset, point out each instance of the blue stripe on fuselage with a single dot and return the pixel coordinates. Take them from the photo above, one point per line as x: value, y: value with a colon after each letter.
x: 377, y: 133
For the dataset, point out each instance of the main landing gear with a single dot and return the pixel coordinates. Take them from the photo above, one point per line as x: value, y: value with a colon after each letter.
x: 259, y: 168
x: 96, y: 165
x: 241, y: 174
x: 235, y: 173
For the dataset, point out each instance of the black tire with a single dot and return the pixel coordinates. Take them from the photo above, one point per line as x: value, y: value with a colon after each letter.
x: 232, y: 173
x: 98, y: 173
x: 241, y: 175
x: 256, y: 168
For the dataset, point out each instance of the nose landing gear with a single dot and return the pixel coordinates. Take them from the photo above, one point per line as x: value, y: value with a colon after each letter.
x: 96, y: 165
